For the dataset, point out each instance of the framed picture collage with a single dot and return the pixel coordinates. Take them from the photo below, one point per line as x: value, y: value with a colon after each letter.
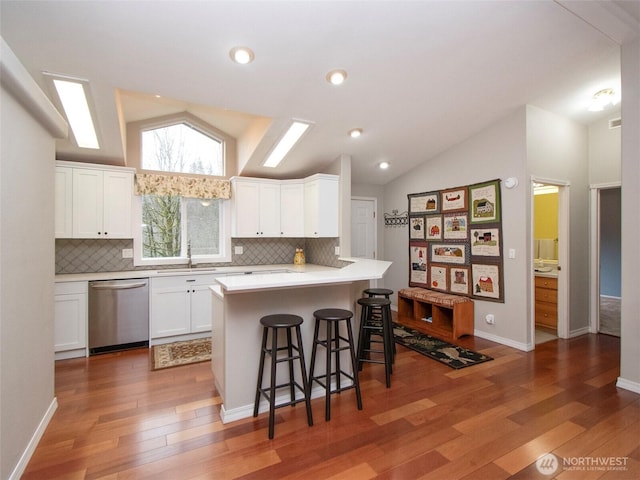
x: 455, y: 241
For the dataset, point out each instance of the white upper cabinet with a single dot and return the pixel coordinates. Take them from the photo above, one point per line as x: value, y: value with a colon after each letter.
x: 256, y: 208
x: 63, y: 202
x: 118, y: 195
x: 292, y: 208
x: 285, y: 208
x: 93, y: 202
x: 321, y: 206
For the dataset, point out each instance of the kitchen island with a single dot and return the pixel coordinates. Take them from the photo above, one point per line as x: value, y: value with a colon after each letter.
x: 240, y: 301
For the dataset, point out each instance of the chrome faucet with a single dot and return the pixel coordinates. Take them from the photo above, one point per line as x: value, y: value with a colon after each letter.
x: 189, y: 263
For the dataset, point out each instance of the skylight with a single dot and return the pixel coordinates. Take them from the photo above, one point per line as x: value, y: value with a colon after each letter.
x: 286, y: 143
x: 73, y: 97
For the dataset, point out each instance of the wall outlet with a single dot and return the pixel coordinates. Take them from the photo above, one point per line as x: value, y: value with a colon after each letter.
x: 491, y: 320
x: 337, y: 250
x: 238, y: 250
x: 127, y: 253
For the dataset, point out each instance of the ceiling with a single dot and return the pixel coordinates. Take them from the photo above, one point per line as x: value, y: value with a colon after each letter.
x: 422, y: 75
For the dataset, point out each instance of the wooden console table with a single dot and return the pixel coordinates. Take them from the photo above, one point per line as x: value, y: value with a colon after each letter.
x: 440, y: 314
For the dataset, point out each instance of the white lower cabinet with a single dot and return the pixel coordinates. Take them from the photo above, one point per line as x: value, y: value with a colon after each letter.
x: 180, y: 305
x: 70, y: 319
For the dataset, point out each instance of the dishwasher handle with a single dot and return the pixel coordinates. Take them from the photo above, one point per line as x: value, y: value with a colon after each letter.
x: 117, y: 286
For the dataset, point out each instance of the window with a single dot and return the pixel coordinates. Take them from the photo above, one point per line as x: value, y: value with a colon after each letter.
x: 181, y: 148
x: 173, y: 224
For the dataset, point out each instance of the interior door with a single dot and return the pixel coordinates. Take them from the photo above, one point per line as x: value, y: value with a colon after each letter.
x: 363, y: 228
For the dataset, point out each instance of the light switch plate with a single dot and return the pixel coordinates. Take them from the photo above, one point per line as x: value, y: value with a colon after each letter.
x: 238, y: 250
x: 127, y: 253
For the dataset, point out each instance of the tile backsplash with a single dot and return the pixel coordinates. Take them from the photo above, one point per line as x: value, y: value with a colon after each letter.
x: 89, y: 255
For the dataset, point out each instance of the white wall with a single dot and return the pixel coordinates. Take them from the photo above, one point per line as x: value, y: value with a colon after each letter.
x: 497, y: 152
x: 26, y: 270
x: 630, y: 332
x: 605, y: 151
x: 557, y: 148
x: 342, y: 167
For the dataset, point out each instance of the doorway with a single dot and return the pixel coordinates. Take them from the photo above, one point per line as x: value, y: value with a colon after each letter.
x: 363, y: 228
x: 549, y: 247
x: 606, y: 256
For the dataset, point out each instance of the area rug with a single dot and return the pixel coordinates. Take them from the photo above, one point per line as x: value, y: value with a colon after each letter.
x: 180, y: 353
x: 444, y: 352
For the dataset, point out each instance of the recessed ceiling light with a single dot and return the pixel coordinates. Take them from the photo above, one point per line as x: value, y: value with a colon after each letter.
x: 383, y: 165
x: 286, y: 143
x: 355, y: 132
x: 336, y: 77
x: 242, y: 55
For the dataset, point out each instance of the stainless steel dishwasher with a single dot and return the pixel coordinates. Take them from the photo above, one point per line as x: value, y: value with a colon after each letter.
x: 118, y: 315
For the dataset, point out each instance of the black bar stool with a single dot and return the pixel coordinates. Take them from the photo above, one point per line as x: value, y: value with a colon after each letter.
x: 378, y: 292
x: 332, y: 317
x: 376, y: 320
x: 273, y: 323
x: 377, y: 312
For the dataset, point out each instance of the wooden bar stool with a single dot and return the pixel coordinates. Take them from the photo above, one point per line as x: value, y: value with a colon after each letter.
x: 332, y: 318
x: 376, y: 320
x: 272, y: 324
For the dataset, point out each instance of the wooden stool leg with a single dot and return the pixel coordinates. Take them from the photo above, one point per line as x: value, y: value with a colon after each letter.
x: 256, y: 404
x: 272, y: 392
x: 354, y: 365
x: 303, y: 372
x: 327, y: 406
x: 292, y: 389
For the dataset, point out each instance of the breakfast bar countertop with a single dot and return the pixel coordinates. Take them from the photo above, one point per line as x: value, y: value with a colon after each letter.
x: 359, y: 269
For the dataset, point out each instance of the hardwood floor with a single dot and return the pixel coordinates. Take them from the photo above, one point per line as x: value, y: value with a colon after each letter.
x: 118, y: 420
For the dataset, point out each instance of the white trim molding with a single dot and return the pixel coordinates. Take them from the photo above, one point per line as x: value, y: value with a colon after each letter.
x: 21, y: 466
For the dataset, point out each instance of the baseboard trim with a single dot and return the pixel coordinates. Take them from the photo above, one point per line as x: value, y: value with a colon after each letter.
x: 33, y: 443
x: 628, y: 385
x: 504, y: 341
x: 579, y: 332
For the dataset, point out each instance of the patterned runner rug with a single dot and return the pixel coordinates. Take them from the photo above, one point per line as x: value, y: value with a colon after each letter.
x: 180, y: 353
x: 444, y: 352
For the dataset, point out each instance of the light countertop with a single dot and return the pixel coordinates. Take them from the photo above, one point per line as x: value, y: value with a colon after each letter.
x: 236, y: 279
x: 360, y: 269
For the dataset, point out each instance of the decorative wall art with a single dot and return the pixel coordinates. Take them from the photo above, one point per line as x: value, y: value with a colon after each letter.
x: 449, y: 253
x: 459, y: 281
x: 455, y: 226
x: 433, y: 227
x: 455, y: 241
x: 485, y: 242
x: 418, y: 262
x: 416, y: 228
x: 455, y: 200
x: 486, y: 280
x: 421, y: 203
x: 438, y: 277
x: 395, y: 219
x: 485, y: 202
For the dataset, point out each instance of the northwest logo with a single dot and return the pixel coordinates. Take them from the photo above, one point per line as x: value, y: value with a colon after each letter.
x: 548, y: 464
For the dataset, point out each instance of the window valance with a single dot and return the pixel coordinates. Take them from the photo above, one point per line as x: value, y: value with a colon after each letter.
x: 155, y: 184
